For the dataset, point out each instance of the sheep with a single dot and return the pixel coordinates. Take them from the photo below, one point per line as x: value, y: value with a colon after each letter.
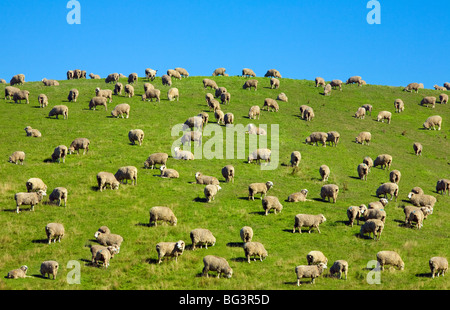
x: 433, y: 121
x: 447, y: 85
x: 253, y: 249
x: 253, y: 130
x: 170, y: 249
x: 209, y: 83
x: 336, y: 83
x: 219, y: 71
x: 50, y: 82
x: 399, y: 105
x: 384, y: 115
x: 254, y: 112
x: 109, y: 239
x: 259, y: 188
x: 412, y: 86
x: 21, y: 95
x: 329, y: 191
x: 379, y: 214
x: 218, y: 264
x: 296, y: 157
x: 333, y: 137
x: 183, y: 155
x: 168, y: 173
x: 150, y: 94
x: 10, y: 91
x: 118, y: 89
x: 16, y: 157
x: 339, y: 267
x: 150, y: 73
x: 308, y: 220
x: 77, y: 74
x: 73, y: 95
x: 228, y: 118
x: 302, y: 109
x: 126, y: 173
x: 211, y: 191
x: 156, y: 158
x: 219, y: 91
x: 17, y: 79
x: 59, y: 194
x: 417, y: 190
x: 112, y: 78
x: 248, y: 73
x: 104, y: 255
x: 94, y: 76
x: 213, y: 104
x: 271, y: 202
x: 132, y: 78
x: 298, y: 196
x: 43, y: 100
x: 307, y: 271
x: 437, y: 265
x: 106, y: 93
x: 162, y: 214
x: 324, y: 171
x: 273, y: 73
x: 360, y: 113
x: 183, y: 72
x: 417, y: 146
x: 320, y: 81
x: 363, y: 137
x: 368, y: 161
x: 49, y: 267
x: 107, y: 178
x: 443, y: 98
x: 18, y: 273
x: 2, y: 81
x: 35, y: 184
x: 104, y: 229
x: 120, y: 110
x: 327, y: 90
x: 372, y: 226
x: 316, y: 257
x: 429, y: 100
x: 246, y: 234
x: 354, y: 212
x: 390, y: 258
x: 317, y: 137
x: 225, y: 97
x: 219, y: 115
x: 95, y: 248
x: 205, y: 179
x: 394, y: 176
x: 282, y: 97
x: 388, y: 188
x: 407, y: 210
x: 69, y: 74
x: 383, y: 160
x: 166, y: 80
x: 95, y: 101
x: 443, y: 186
x: 79, y: 144
x: 205, y: 119
x: 250, y: 83
x: 260, y: 154
x: 32, y: 132
x: 59, y: 110
x: 129, y: 91
x: 202, y: 236
x: 380, y: 204
x: 368, y: 108
x: 54, y: 231
x: 173, y: 94
x: 416, y: 216
x: 274, y: 83
x: 355, y: 79
x: 271, y: 104
x: 437, y: 87
x: 363, y: 171
x: 136, y: 135
x: 422, y: 200
x: 30, y: 199
x: 228, y: 173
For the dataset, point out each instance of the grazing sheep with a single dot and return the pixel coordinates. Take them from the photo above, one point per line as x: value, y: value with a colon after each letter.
x: 54, y: 231
x: 307, y: 271
x: 21, y: 95
x: 384, y: 115
x: 210, y: 83
x: 168, y: 173
x: 173, y: 94
x: 390, y: 258
x: 306, y: 112
x: 59, y: 194
x: 273, y: 73
x: 129, y: 91
x: 399, y: 105
x: 95, y: 101
x: 443, y: 186
x: 282, y: 97
x: 43, y: 100
x: 59, y: 110
x: 253, y: 130
x: 219, y: 71
x: 388, y: 188
x: 211, y: 191
x: 256, y: 188
x: 333, y: 137
x: 308, y: 220
x: 16, y: 157
x: 437, y: 265
x: 228, y: 173
x: 363, y: 137
x: 225, y: 97
x: 253, y: 249
x: 166, y: 80
x: 248, y: 73
x: 112, y: 78
x: 32, y: 132
x: 219, y: 91
x: 218, y: 264
x: 28, y: 199
x: 271, y: 202
x: 70, y: 75
x: 372, y: 226
x: 49, y: 267
x: 120, y: 110
x: 106, y: 93
x: 274, y: 83
x: 368, y: 108
x: 94, y: 76
x: 447, y: 85
x: 363, y: 171
x: 50, y: 82
x: 132, y: 78
x: 395, y: 176
x: 329, y: 191
x: 205, y: 179
x: 162, y: 214
x: 219, y: 115
x: 183, y: 72
x: 443, y: 98
x: 10, y: 91
x: 181, y: 154
x: 355, y: 79
x: 339, y: 267
x: 422, y: 200
x: 79, y: 144
x: 214, y: 105
x: 317, y: 137
x: 412, y: 86
x: 246, y: 234
x: 360, y: 113
x: 35, y: 184
x: 107, y: 178
x: 205, y: 119
x: 150, y: 94
x: 410, y: 209
x: 104, y: 255
x: 73, y: 95
x: 368, y: 161
x: 298, y: 196
x: 109, y: 239
x: 316, y: 257
x: 254, y: 112
x: 379, y: 214
x: 296, y: 157
x: 126, y: 173
x: 429, y: 100
x: 136, y: 135
x: 271, y: 104
x: 437, y: 87
x: 17, y: 79
x: 170, y: 249
x: 354, y: 212
x: 150, y: 73
x: 417, y: 217
x: 59, y: 153
x: 156, y: 159
x: 250, y: 83
x: 228, y: 119
x: 320, y: 81
x: 433, y: 121
x: 260, y: 154
x: 202, y: 236
x: 417, y: 148
x: 327, y: 90
x: 20, y: 273
x: 324, y: 171
x: 118, y: 89
x: 380, y: 204
x: 336, y: 83
x: 383, y: 160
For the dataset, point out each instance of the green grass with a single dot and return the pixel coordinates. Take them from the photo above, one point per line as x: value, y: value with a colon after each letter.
x: 125, y: 211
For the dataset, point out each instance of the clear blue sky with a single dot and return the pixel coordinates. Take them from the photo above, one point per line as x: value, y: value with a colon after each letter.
x: 302, y: 39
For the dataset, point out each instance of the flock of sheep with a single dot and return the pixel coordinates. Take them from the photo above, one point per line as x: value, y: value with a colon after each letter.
x: 373, y: 215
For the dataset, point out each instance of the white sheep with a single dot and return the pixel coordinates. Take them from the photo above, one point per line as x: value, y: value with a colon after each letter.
x: 96, y: 101
x: 59, y: 194
x: 438, y: 265
x: 412, y: 86
x: 18, y: 273
x: 410, y: 209
x: 368, y: 108
x: 390, y: 258
x: 104, y: 255
x: 73, y: 95
x: 271, y: 202
x: 211, y: 191
x: 54, y: 231
x: 43, y: 100
x: 339, y: 267
x: 324, y: 172
x: 112, y: 78
x: 298, y: 196
x: 254, y: 112
x: 218, y: 264
x: 273, y: 73
x: 109, y: 239
x: 443, y: 186
x: 360, y: 113
x: 182, y: 154
x: 49, y: 267
x: 182, y: 71
x: 368, y: 161
x: 79, y: 144
x: 16, y: 157
x: 417, y: 217
x: 228, y: 173
x: 308, y: 271
x: 168, y: 173
x: 164, y: 214
x: 355, y: 212
x: 317, y: 137
x: 256, y: 188
x: 383, y: 160
x: 32, y: 132
x: 417, y: 147
x: 260, y: 154
x: 308, y: 220
x: 399, y: 105
x: 47, y: 82
x: 210, y: 83
x: 150, y: 73
x: 118, y: 89
x: 173, y: 94
x: 363, y: 171
x: 384, y: 115
x: 282, y: 97
x: 327, y: 90
x: 422, y: 200
x: 35, y: 184
x: 271, y: 104
x: 319, y: 81
x: 202, y: 236
x: 372, y: 226
x: 205, y: 179
x: 329, y: 191
x: 379, y: 214
x: 355, y: 79
x: 253, y: 130
x: 395, y: 176
x: 105, y: 93
x: 429, y: 100
x: 253, y: 249
x: 9, y: 91
x: 388, y: 188
x: 136, y: 135
x: 248, y: 72
x: 274, y: 83
x: 170, y: 249
x: 107, y: 178
x: 59, y: 110
x: 150, y: 94
x: 30, y: 199
x: 60, y: 152
x: 219, y: 71
x: 443, y: 98
x: 219, y: 115
x: 433, y: 121
x: 333, y: 137
x: 296, y: 157
x: 126, y: 173
x: 120, y: 110
x: 156, y: 159
x: 246, y: 234
x: 380, y: 204
x: 225, y: 98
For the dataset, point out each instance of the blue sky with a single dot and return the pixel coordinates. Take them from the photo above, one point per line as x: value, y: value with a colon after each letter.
x: 302, y: 39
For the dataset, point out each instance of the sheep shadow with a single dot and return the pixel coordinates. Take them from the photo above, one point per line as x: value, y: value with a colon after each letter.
x: 235, y: 244
x: 258, y: 212
x: 42, y: 277
x: 40, y: 241
x: 13, y: 210
x: 200, y: 199
x: 143, y: 224
x: 353, y: 177
x: 424, y: 275
x: 239, y: 260
x: 47, y: 160
x: 152, y: 261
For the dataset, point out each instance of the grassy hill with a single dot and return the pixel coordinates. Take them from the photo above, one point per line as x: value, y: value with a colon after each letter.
x: 126, y: 211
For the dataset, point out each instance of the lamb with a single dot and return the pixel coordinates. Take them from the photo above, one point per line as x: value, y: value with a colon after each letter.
x: 336, y: 83
x: 21, y: 95
x: 429, y: 100
x: 388, y: 188
x: 248, y: 73
x: 380, y: 204
x: 274, y: 83
x: 50, y: 82
x: 94, y: 76
x: 339, y: 267
x: 107, y: 178
x: 372, y: 226
x: 317, y: 137
x: 395, y: 176
x: 363, y: 171
x: 16, y: 157
x: 150, y: 94
x: 383, y: 160
x: 120, y: 110
x: 49, y: 267
x: 260, y: 154
x: 250, y: 83
x: 399, y: 105
x: 390, y: 258
x: 73, y: 95
x: 379, y: 214
x: 150, y: 73
x: 205, y: 179
x: 30, y: 199
x: 360, y: 113
x: 254, y: 112
x: 209, y: 83
x: 79, y: 144
x: 327, y: 90
x: 333, y: 137
x: 181, y: 154
x: 437, y: 265
x: 166, y: 80
x: 162, y: 214
x: 170, y: 249
x: 225, y: 97
x: 324, y: 171
x: 253, y: 130
x: 126, y: 173
x: 218, y: 264
x: 282, y: 97
x: 129, y: 91
x: 59, y: 194
x: 109, y: 239
x: 433, y: 121
x: 273, y: 73
x: 253, y: 249
x: 355, y: 79
x: 329, y: 191
x: 10, y: 91
x: 183, y: 72
x: 156, y: 159
x: 246, y: 234
x: 316, y: 257
x: 417, y: 146
x: 211, y: 191
x: 118, y: 89
x: 219, y: 71
x: 412, y: 86
x: 32, y: 132
x: 228, y: 173
x: 17, y: 79
x: 320, y: 81
x: 307, y: 271
x: 35, y: 184
x: 384, y: 115
x: 410, y: 209
x: 173, y: 94
x: 168, y: 173
x: 132, y: 78
x: 59, y: 110
x: 308, y: 220
x: 271, y: 202
x: 106, y: 93
x: 228, y: 119
x: 298, y: 196
x: 202, y: 236
x: 443, y: 98
x: 422, y: 200
x: 136, y: 135
x: 271, y: 104
x: 43, y: 100
x: 54, y: 231
x: 443, y: 186
x: 219, y: 115
x: 354, y: 212
x: 112, y: 78
x: 296, y: 157
x: 95, y: 101
x: 18, y: 273
x: 256, y: 188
